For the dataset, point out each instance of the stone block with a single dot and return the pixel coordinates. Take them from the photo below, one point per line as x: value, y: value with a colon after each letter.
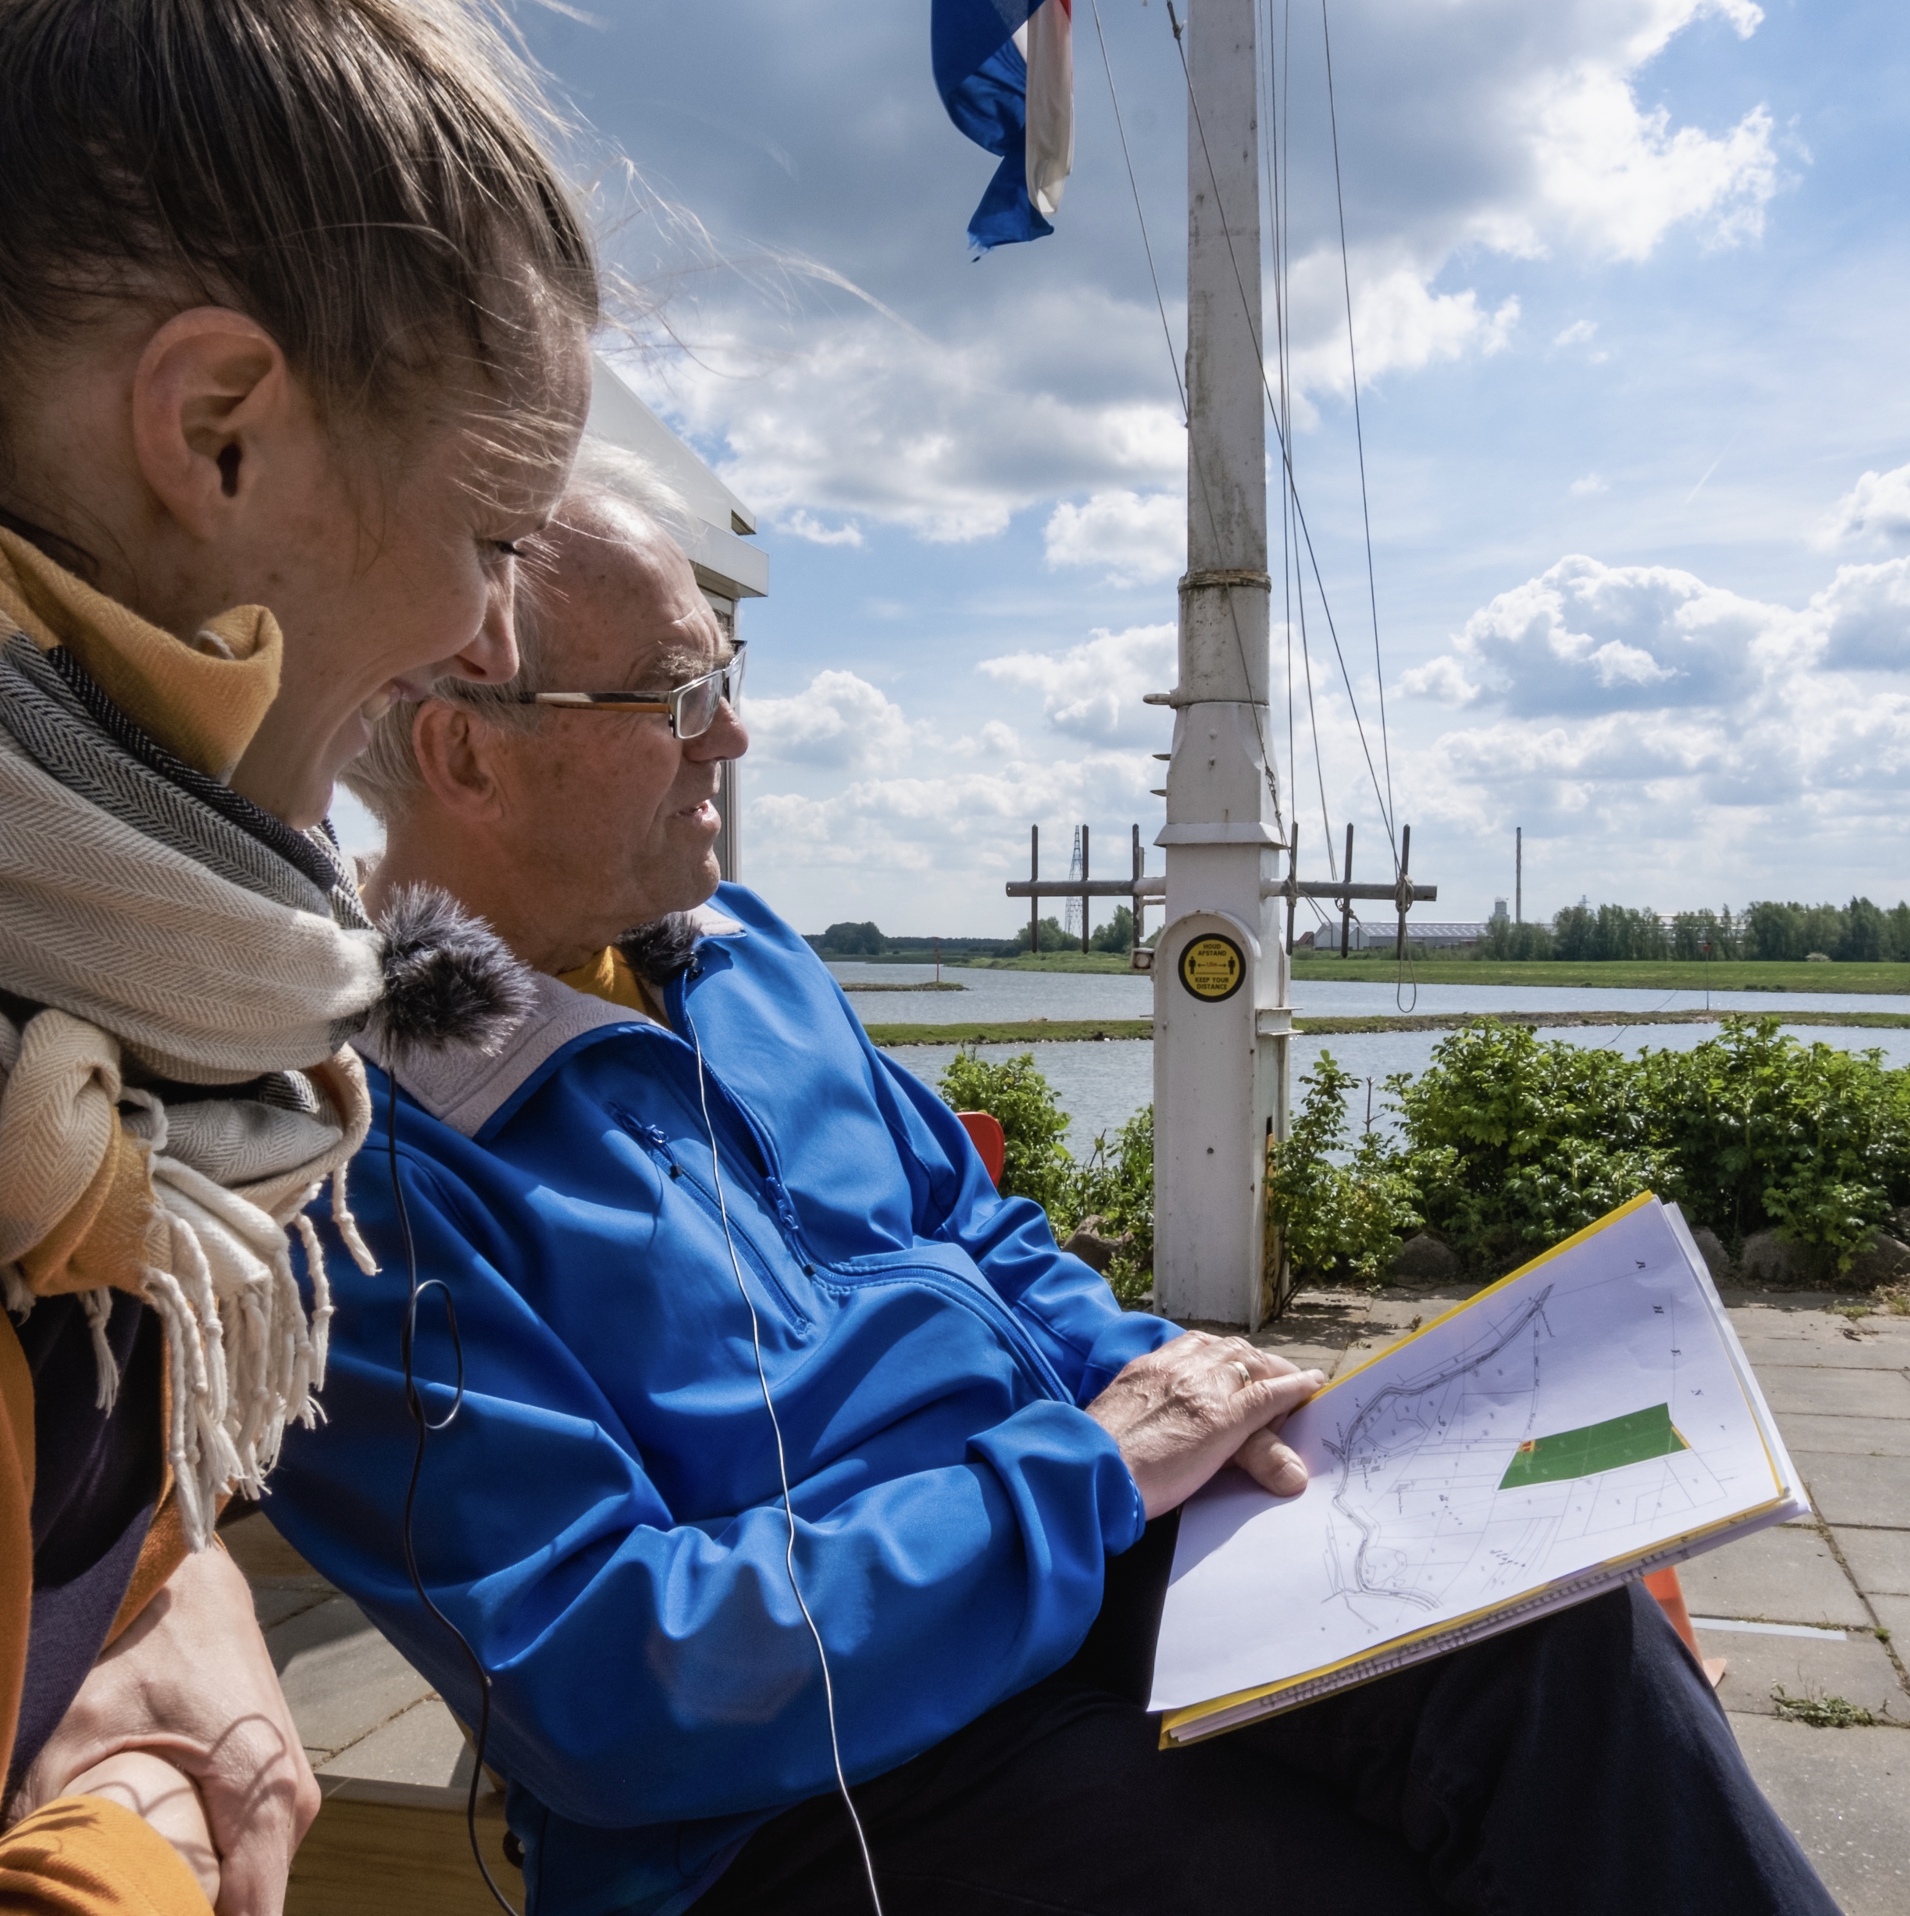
x: 1856, y: 1490
x: 1848, y: 1436
x: 260, y: 1551
x: 423, y: 1745
x: 1094, y: 1247
x: 1857, y: 1669
x: 1827, y: 1391
x: 1786, y: 1575
x: 278, y: 1603
x: 1424, y: 1260
x: 1767, y: 1258
x: 340, y: 1677
x: 1883, y: 1261
x: 1846, y: 1796
x: 1716, y: 1259
x: 1878, y: 1559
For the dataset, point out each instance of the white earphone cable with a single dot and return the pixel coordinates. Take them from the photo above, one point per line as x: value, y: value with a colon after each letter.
x: 782, y: 1465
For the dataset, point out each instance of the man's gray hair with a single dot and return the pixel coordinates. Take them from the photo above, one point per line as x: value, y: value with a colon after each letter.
x: 385, y: 774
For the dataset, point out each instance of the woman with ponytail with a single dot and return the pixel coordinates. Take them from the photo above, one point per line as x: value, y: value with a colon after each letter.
x: 293, y: 324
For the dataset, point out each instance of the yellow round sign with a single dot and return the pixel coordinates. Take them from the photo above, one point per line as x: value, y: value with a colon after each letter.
x: 1212, y: 968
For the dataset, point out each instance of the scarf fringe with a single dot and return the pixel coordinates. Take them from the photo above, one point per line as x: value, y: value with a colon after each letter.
x: 247, y: 1361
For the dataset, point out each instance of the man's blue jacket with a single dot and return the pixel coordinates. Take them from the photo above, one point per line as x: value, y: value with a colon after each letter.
x: 602, y: 1517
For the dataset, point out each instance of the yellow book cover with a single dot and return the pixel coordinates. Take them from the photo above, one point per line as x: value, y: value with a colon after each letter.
x: 1585, y: 1420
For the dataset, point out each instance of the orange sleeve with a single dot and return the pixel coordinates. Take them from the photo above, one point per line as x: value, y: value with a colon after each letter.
x: 84, y: 1856
x: 16, y: 1528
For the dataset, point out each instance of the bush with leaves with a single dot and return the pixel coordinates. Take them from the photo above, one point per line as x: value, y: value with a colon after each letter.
x: 1515, y: 1142
x: 1116, y: 1184
x: 1036, y: 1163
x: 1338, y: 1218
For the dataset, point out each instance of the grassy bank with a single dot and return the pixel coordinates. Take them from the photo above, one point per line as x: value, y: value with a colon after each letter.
x: 1053, y: 1030
x: 1014, y: 1031
x: 1619, y: 975
x: 1064, y: 961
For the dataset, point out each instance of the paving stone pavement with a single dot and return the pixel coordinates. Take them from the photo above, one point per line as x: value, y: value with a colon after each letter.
x: 1840, y: 1580
x: 1839, y: 1387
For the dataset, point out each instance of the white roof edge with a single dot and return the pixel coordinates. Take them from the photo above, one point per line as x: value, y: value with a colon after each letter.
x: 618, y: 415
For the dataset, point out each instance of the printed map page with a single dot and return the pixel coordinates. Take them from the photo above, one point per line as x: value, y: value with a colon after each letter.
x: 1586, y: 1412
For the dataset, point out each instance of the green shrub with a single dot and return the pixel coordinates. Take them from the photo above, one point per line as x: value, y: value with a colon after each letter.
x: 1117, y: 1185
x: 1515, y: 1142
x: 1036, y: 1163
x: 1337, y: 1218
x: 1507, y: 1142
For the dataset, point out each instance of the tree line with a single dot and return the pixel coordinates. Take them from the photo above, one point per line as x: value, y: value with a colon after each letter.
x: 1858, y: 933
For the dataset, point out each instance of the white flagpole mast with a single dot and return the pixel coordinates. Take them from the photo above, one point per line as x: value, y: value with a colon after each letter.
x: 1220, y: 973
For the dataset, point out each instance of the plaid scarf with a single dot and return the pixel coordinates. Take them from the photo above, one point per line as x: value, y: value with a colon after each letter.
x: 179, y: 973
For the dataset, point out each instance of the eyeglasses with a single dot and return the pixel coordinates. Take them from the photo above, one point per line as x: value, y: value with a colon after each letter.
x: 692, y: 707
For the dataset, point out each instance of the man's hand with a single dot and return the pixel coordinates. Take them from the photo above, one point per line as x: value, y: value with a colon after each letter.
x: 1182, y: 1411
x: 191, y: 1681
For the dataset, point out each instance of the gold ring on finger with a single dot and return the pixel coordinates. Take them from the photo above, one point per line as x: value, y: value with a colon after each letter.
x: 1246, y: 1376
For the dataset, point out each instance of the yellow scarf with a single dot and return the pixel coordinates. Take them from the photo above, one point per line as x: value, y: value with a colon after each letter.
x: 202, y: 701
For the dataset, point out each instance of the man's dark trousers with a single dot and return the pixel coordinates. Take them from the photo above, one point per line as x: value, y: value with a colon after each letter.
x: 1578, y: 1766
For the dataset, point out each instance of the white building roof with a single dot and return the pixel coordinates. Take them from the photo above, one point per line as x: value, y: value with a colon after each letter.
x: 722, y: 553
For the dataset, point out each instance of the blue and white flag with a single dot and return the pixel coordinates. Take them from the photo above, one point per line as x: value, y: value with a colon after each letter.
x: 1005, y: 71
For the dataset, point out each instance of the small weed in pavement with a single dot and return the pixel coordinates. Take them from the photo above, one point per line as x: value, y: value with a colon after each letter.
x: 1821, y: 1712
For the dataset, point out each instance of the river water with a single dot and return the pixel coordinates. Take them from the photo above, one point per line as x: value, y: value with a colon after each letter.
x: 1101, y: 1085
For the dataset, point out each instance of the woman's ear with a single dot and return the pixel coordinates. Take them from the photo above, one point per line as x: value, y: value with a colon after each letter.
x: 459, y: 760
x: 211, y: 393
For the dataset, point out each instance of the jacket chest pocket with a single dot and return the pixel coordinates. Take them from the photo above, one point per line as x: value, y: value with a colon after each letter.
x: 753, y: 1218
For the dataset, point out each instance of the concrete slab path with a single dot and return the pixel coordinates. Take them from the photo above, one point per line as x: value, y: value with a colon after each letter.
x: 1818, y: 1609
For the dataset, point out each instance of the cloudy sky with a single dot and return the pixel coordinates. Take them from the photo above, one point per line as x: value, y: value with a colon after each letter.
x: 1630, y: 284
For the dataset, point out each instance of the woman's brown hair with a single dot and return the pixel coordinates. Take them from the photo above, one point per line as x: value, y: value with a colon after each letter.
x: 362, y: 177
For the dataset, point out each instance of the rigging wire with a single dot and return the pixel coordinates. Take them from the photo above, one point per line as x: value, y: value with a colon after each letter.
x: 1196, y: 476
x: 1281, y: 435
x: 1279, y: 175
x: 1359, y: 432
x: 1127, y: 159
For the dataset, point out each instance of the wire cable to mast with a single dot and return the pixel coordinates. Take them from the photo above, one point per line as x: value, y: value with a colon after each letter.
x: 1267, y: 760
x: 1359, y: 431
x: 1280, y: 435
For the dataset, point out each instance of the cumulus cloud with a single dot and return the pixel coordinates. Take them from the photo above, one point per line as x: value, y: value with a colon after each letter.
x: 1643, y: 703
x: 1585, y: 637
x: 1135, y: 538
x: 1876, y: 510
x: 941, y: 436
x: 1475, y: 128
x: 1399, y: 322
x: 806, y: 526
x: 973, y: 822
x: 840, y: 722
x: 1093, y: 691
x: 1540, y: 146
x: 1589, y: 484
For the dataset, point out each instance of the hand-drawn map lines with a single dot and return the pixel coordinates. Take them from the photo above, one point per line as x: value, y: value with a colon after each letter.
x: 1395, y: 1400
x: 1418, y: 1502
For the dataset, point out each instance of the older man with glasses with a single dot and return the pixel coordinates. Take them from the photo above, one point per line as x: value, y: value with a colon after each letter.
x: 775, y: 1460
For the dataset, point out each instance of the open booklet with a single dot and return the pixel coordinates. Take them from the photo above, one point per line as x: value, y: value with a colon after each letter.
x: 1586, y: 1420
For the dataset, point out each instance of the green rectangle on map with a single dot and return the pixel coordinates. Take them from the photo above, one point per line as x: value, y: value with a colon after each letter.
x: 1631, y: 1439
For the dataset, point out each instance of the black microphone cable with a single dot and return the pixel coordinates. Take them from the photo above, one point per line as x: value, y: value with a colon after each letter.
x: 414, y: 1403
